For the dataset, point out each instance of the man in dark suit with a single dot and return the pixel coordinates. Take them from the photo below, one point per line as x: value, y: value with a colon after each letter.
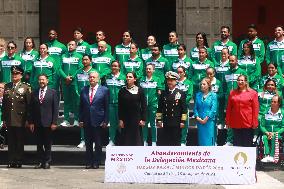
x: 172, y: 112
x: 15, y: 110
x: 43, y: 119
x: 93, y: 116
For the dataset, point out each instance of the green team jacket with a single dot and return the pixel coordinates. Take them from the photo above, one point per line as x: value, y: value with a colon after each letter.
x: 185, y: 62
x: 272, y: 122
x: 187, y: 87
x: 218, y: 46
x: 93, y: 50
x: 252, y: 68
x: 150, y: 88
x: 83, y: 47
x: 82, y: 78
x: 71, y: 62
x: 114, y: 84
x: 161, y: 67
x: 47, y: 66
x: 194, y: 54
x: 101, y: 62
x: 170, y: 52
x: 197, y: 70
x: 146, y: 53
x: 121, y: 52
x: 258, y: 47
x: 6, y: 64
x: 56, y: 49
x: 29, y: 58
x: 275, y: 54
x: 2, y: 55
x: 221, y: 69
x: 231, y: 77
x: 277, y: 78
x: 264, y: 99
x: 135, y: 65
x: 216, y: 87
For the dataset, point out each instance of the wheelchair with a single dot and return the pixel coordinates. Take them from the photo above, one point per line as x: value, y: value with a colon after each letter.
x: 260, y: 155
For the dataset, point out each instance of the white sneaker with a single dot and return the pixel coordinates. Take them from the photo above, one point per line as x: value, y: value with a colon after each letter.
x: 265, y: 160
x: 94, y: 145
x: 76, y: 123
x: 145, y: 143
x: 228, y: 144
x: 65, y: 123
x: 111, y: 143
x: 81, y: 145
x: 154, y: 144
x: 182, y: 144
x: 271, y: 159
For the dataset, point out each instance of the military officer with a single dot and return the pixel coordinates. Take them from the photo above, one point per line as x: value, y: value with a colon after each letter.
x: 15, y: 110
x: 172, y: 112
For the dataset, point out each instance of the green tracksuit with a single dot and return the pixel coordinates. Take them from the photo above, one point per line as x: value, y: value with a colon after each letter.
x: 2, y: 55
x: 83, y: 47
x: 170, y: 52
x: 29, y: 58
x: 277, y: 78
x: 71, y: 62
x: 271, y: 123
x: 135, y: 65
x: 258, y: 47
x: 121, y: 53
x: 114, y: 84
x: 94, y: 49
x: 150, y: 88
x: 194, y: 54
x: 231, y: 77
x: 185, y: 62
x: 146, y: 53
x: 81, y: 80
x: 275, y: 54
x: 47, y: 66
x: 264, y: 99
x: 101, y: 62
x: 161, y: 67
x: 6, y: 64
x: 197, y: 72
x: 253, y: 69
x: 187, y: 87
x: 219, y: 45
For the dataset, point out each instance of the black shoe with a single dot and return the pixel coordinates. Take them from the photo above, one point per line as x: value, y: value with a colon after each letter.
x: 88, y: 167
x: 96, y: 166
x: 11, y: 165
x: 46, y: 166
x: 39, y: 166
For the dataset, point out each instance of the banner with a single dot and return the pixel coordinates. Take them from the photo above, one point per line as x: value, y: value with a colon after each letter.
x: 178, y: 164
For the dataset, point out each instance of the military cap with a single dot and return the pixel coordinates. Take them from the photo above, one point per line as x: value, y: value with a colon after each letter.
x: 172, y: 75
x: 16, y: 69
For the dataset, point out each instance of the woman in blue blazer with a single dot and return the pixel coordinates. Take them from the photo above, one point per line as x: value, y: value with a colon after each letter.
x: 205, y: 109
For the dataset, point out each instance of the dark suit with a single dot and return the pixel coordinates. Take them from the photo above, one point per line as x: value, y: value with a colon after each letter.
x: 43, y: 115
x: 15, y: 110
x: 93, y: 114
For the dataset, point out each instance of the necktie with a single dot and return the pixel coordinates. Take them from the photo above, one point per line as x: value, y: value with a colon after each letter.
x: 92, y: 94
x: 41, y: 96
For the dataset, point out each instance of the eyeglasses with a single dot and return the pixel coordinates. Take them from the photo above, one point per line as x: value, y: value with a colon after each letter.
x: 10, y: 47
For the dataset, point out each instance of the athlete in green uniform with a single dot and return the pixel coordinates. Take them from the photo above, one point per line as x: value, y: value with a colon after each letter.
x: 82, y: 46
x: 101, y: 61
x: 114, y: 82
x: 224, y: 42
x: 122, y: 51
x: 201, y: 41
x: 258, y: 45
x: 44, y: 64
x: 161, y: 63
x: 152, y: 87
x: 147, y: 52
x: 28, y: 54
x: 71, y: 62
x: 134, y: 63
x: 187, y: 87
x: 182, y: 60
x: 82, y: 79
x: 170, y: 50
x: 100, y: 36
x: 8, y: 61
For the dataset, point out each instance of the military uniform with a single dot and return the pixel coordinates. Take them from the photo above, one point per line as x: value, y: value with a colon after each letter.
x: 15, y: 110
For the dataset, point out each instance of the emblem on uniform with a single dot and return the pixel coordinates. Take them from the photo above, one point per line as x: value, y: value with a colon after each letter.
x: 21, y: 90
x: 178, y: 95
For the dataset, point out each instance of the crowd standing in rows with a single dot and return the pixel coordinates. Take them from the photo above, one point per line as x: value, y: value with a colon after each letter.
x: 153, y: 87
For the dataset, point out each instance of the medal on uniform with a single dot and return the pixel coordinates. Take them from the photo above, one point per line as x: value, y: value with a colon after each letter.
x: 178, y: 95
x: 21, y: 90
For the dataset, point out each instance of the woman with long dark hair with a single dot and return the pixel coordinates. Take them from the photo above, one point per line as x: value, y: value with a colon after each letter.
x: 201, y: 41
